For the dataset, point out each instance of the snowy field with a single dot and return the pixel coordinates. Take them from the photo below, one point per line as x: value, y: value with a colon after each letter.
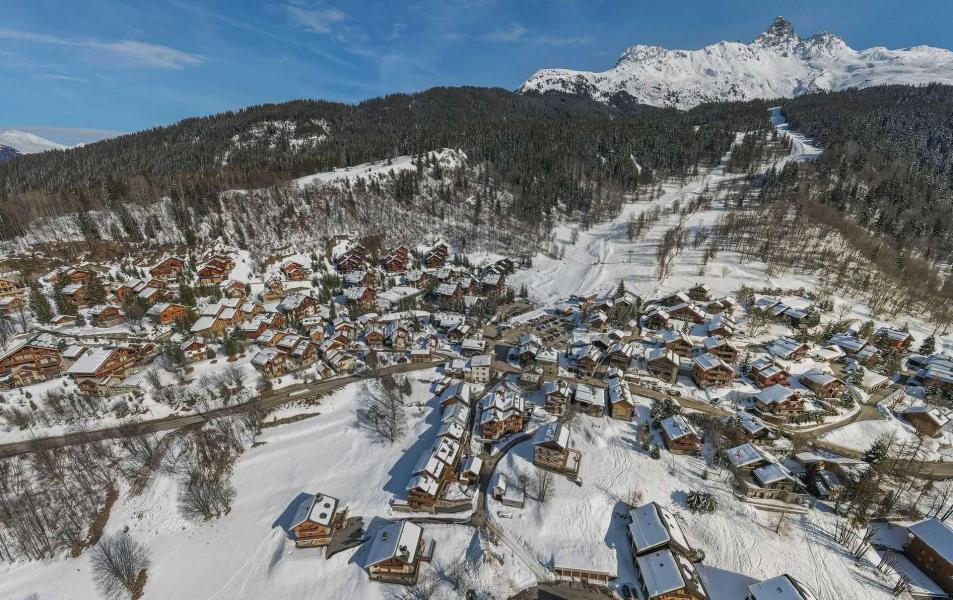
x: 247, y: 553
x: 583, y: 527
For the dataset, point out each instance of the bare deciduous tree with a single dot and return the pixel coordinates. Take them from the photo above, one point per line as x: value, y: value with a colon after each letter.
x: 119, y: 566
x: 543, y: 484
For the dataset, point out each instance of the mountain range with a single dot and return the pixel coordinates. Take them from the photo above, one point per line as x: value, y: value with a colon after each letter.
x: 14, y: 143
x: 778, y: 64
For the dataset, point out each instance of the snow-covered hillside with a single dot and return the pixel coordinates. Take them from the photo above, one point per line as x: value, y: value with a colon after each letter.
x: 27, y: 143
x: 779, y: 63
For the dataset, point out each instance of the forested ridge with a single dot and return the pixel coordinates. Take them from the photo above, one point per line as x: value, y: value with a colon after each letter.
x: 887, y: 162
x: 549, y: 151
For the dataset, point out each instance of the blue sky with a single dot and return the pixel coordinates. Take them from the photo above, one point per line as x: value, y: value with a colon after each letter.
x: 77, y: 70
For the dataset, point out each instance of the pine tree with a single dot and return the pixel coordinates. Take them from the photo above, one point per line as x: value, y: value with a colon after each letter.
x: 40, y: 305
x: 928, y: 345
x: 95, y: 290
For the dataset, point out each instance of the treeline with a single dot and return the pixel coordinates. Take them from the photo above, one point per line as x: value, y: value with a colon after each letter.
x: 888, y: 160
x: 550, y: 152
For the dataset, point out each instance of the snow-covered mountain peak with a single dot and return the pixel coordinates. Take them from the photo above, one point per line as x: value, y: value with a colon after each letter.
x: 780, y: 33
x: 28, y: 143
x: 778, y: 63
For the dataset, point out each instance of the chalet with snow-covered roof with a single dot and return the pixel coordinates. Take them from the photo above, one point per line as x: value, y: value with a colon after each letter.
x: 720, y: 347
x: 765, y: 372
x: 316, y: 519
x: 653, y: 527
x: 395, y: 553
x: 479, y: 369
x: 194, y: 349
x: 588, y: 399
x: 558, y: 395
x: 664, y: 575
x: 10, y: 287
x: 779, y: 400
x: 234, y: 289
x: 599, y: 321
x: 101, y: 368
x: 340, y: 361
x: 274, y: 289
x: 457, y: 392
x: 74, y: 294
x: 897, y: 338
x: 823, y: 384
x: 209, y: 327
x: 782, y: 587
x: 166, y: 313
x: 680, y: 436
x: 12, y: 304
x: 397, y: 260
x: 436, y: 257
x: 721, y: 325
x: 928, y: 420
x: 710, y: 371
x: 930, y: 548
x: 105, y: 315
x: 688, y: 311
x: 270, y: 361
x: 551, y: 449
x: 860, y: 349
x: 663, y: 363
x: 657, y: 318
x: 36, y: 359
x: 168, y: 268
x: 361, y: 296
x: 758, y: 474
x: 621, y: 404
x: 212, y: 273
x: 298, y: 306
x: 293, y: 270
x: 678, y: 343
x: 502, y: 412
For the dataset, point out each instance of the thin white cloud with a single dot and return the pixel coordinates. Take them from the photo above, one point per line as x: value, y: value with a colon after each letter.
x: 513, y: 33
x: 60, y: 77
x: 131, y: 53
x: 555, y: 40
x: 316, y: 20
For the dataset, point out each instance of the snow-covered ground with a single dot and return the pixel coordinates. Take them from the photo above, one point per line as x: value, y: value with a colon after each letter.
x: 582, y: 526
x: 247, y: 553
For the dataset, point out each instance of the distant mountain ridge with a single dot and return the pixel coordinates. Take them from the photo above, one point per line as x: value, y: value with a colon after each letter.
x: 778, y: 64
x: 14, y: 143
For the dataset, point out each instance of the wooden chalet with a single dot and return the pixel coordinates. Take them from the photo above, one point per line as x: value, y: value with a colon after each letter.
x: 823, y: 384
x: 663, y: 363
x: 234, y: 289
x: 436, y: 257
x: 294, y: 271
x: 779, y: 400
x: 10, y: 287
x: 621, y: 405
x: 318, y: 517
x: 710, y: 371
x: 364, y: 297
x: 167, y: 269
x: 194, y: 349
x: 165, y: 313
x: 395, y: 553
x: 722, y: 348
x: 558, y: 395
x: 34, y: 360
x: 271, y: 362
x: 299, y: 306
x: 678, y: 343
x: 98, y: 370
x: 927, y: 420
x: 397, y: 260
x: 758, y: 474
x: 551, y: 449
x: 274, y: 290
x: 680, y: 436
x: 764, y: 372
x: 930, y: 548
x: 12, y: 304
x: 74, y: 294
x: 105, y: 315
x: 503, y: 412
